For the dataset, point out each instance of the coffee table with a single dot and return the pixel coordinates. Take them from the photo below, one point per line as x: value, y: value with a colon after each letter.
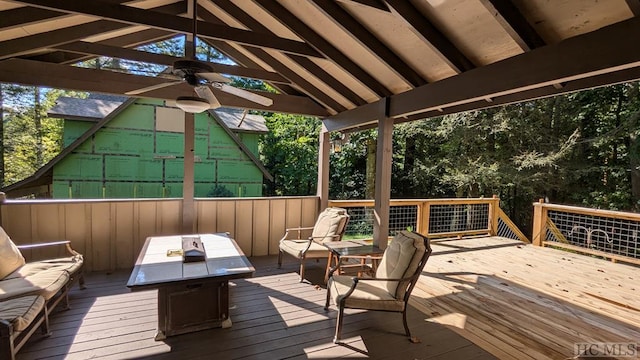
x: 362, y: 249
x: 191, y: 296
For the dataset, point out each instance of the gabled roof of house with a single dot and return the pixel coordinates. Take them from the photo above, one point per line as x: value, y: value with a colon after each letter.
x: 231, y: 120
x: 98, y: 106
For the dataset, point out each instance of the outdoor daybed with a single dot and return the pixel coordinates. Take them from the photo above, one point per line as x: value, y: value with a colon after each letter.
x: 29, y: 291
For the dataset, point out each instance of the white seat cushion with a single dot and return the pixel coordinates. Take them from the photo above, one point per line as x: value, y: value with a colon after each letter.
x: 296, y: 247
x: 21, y: 312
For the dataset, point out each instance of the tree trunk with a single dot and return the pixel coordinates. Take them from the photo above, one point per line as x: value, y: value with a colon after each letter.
x: 37, y: 118
x: 371, y: 169
x: 1, y: 138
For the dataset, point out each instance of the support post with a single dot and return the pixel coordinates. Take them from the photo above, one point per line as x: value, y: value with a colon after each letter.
x: 323, y: 169
x: 188, y: 203
x: 539, y: 223
x: 384, y: 159
x: 494, y: 205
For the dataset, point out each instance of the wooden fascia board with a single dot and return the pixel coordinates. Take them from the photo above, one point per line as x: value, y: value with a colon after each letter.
x: 323, y: 46
x: 35, y: 73
x: 69, y: 149
x: 376, y: 4
x: 599, y: 52
x: 424, y: 29
x: 617, y: 77
x: 368, y: 40
x: 137, y: 55
x: 135, y: 16
x: 18, y: 17
x: 241, y: 145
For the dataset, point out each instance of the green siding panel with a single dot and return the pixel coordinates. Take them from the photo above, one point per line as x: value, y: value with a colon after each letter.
x: 121, y: 141
x: 201, y: 146
x: 201, y: 123
x: 120, y: 167
x: 79, y: 167
x: 149, y: 170
x: 227, y: 153
x: 233, y: 171
x: 219, y: 137
x: 169, y: 143
x: 173, y: 190
x: 205, y: 170
x: 135, y: 116
x: 173, y: 169
x: 73, y: 129
x: 252, y: 190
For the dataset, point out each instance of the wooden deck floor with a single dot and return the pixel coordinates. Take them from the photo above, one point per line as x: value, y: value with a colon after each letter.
x: 477, y: 299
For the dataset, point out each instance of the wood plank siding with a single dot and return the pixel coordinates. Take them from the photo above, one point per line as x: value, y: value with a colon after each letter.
x: 110, y: 233
x: 478, y: 298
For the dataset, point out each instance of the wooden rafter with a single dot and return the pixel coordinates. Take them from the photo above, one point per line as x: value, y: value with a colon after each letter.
x: 376, y: 47
x: 130, y: 54
x: 135, y: 16
x: 323, y: 46
x: 427, y: 31
x: 516, y: 25
x: 304, y: 85
x: 598, y: 58
x: 305, y: 62
x: 32, y: 73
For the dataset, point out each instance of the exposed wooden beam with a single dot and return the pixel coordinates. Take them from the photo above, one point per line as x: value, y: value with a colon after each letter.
x: 602, y: 51
x: 376, y: 4
x: 428, y: 32
x: 602, y: 57
x: 368, y: 40
x: 136, y: 55
x: 360, y: 116
x: 135, y: 16
x: 512, y: 20
x: 27, y: 44
x: 308, y: 88
x: 634, y: 6
x: 323, y: 46
x: 126, y: 41
x: 305, y: 62
x: 34, y: 73
x: 22, y: 16
x: 617, y: 77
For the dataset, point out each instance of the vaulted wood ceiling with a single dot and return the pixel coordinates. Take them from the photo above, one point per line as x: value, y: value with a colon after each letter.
x: 342, y: 60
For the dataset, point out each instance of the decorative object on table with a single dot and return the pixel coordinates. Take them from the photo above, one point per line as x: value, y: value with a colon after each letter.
x: 192, y: 249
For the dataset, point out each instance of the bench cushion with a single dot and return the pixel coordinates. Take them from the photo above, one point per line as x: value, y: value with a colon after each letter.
x: 69, y: 264
x: 20, y: 312
x: 46, y: 284
x: 296, y: 247
x: 11, y: 257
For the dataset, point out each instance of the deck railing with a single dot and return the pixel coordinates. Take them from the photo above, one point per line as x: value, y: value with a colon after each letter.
x: 434, y: 218
x: 612, y: 235
x: 111, y: 232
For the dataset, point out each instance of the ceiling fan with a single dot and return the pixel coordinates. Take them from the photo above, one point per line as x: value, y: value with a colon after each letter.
x: 200, y: 75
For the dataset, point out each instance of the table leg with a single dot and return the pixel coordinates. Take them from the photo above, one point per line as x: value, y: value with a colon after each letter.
x: 162, y: 315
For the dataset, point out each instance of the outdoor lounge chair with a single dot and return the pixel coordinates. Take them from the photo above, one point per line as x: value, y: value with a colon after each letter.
x: 390, y: 289
x: 330, y: 226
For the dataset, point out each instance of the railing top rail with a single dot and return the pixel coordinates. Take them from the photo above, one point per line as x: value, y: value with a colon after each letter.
x: 71, y: 201
x: 593, y: 212
x: 397, y: 202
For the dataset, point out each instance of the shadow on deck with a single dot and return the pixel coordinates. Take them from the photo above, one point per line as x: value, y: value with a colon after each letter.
x: 478, y: 298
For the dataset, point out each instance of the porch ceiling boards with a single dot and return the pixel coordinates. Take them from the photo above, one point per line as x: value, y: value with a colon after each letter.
x: 336, y: 58
x: 477, y: 298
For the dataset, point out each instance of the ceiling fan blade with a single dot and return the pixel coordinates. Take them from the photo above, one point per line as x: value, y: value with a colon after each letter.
x: 152, y: 87
x: 262, y: 100
x: 206, y: 93
x: 213, y: 77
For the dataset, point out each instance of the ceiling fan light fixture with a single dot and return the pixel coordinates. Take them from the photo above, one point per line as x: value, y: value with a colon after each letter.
x: 192, y: 104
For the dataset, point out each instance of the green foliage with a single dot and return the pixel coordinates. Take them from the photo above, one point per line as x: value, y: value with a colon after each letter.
x: 290, y: 152
x: 219, y: 191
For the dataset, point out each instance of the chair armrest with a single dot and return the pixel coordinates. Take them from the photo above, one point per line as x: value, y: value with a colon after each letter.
x: 299, y: 230
x: 66, y: 243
